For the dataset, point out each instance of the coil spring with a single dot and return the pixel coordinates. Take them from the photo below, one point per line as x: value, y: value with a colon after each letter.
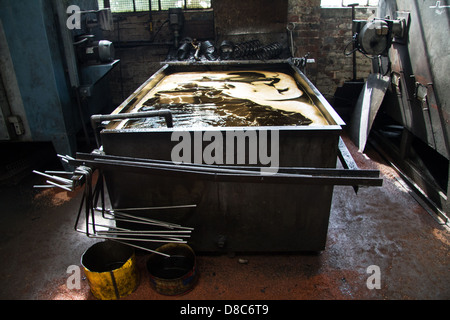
x: 271, y: 51
x: 255, y: 50
x: 248, y: 49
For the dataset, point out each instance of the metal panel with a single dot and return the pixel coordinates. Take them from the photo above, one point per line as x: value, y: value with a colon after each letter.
x: 423, y: 61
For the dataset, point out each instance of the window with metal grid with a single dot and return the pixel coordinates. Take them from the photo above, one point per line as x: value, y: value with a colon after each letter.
x: 156, y: 5
x: 345, y: 3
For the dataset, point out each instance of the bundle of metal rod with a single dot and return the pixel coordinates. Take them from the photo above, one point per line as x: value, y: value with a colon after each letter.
x: 173, y: 232
x: 295, y: 175
x: 66, y: 180
x: 55, y: 180
x: 102, y: 226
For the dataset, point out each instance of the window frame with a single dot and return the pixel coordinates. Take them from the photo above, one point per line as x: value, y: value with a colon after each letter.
x: 342, y: 5
x: 107, y: 4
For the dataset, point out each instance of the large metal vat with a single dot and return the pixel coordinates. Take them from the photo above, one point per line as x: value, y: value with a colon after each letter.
x: 231, y: 210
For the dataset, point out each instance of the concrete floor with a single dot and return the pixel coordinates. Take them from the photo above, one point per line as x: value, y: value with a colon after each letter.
x: 383, y: 226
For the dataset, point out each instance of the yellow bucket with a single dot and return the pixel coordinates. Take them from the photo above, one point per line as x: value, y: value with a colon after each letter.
x: 110, y: 269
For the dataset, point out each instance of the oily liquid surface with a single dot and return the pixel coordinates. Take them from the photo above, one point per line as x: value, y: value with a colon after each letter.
x: 229, y: 99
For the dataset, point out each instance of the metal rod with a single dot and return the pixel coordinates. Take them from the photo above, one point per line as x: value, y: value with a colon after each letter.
x: 218, y: 174
x: 296, y: 170
x: 158, y: 208
x: 148, y: 232
x: 140, y: 239
x: 131, y: 245
x: 151, y: 221
x: 44, y: 186
x: 65, y: 158
x: 67, y: 188
x: 353, y: 5
x: 143, y: 248
x: 62, y: 180
x: 142, y: 234
x: 59, y: 172
x: 141, y: 222
x: 91, y: 195
x: 122, y: 231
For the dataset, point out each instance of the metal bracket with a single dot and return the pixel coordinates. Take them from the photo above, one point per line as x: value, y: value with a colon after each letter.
x: 16, y: 121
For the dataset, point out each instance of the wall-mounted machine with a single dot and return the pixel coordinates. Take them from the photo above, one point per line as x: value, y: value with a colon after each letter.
x: 52, y: 73
x: 375, y: 37
x: 404, y: 103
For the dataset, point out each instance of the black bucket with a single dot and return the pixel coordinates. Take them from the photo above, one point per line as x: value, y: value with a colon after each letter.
x: 174, y: 275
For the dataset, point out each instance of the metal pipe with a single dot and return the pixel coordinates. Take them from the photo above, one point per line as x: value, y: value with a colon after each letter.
x: 353, y: 5
x: 121, y: 116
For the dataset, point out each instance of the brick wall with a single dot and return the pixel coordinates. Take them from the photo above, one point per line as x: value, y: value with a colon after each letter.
x: 335, y: 33
x: 305, y: 14
x: 322, y: 32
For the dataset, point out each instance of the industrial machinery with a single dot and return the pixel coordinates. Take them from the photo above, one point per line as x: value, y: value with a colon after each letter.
x: 404, y: 104
x: 55, y: 48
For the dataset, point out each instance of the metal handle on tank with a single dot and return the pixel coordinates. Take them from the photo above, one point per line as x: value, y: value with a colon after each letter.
x: 167, y: 114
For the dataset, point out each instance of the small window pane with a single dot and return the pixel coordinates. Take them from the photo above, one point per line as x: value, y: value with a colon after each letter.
x: 155, y: 5
x: 122, y: 5
x: 198, y: 4
x: 166, y: 4
x: 345, y: 3
x: 143, y: 5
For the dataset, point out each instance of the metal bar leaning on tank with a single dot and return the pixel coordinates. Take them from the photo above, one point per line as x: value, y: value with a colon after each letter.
x: 355, y: 172
x: 218, y: 174
x: 339, y: 177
